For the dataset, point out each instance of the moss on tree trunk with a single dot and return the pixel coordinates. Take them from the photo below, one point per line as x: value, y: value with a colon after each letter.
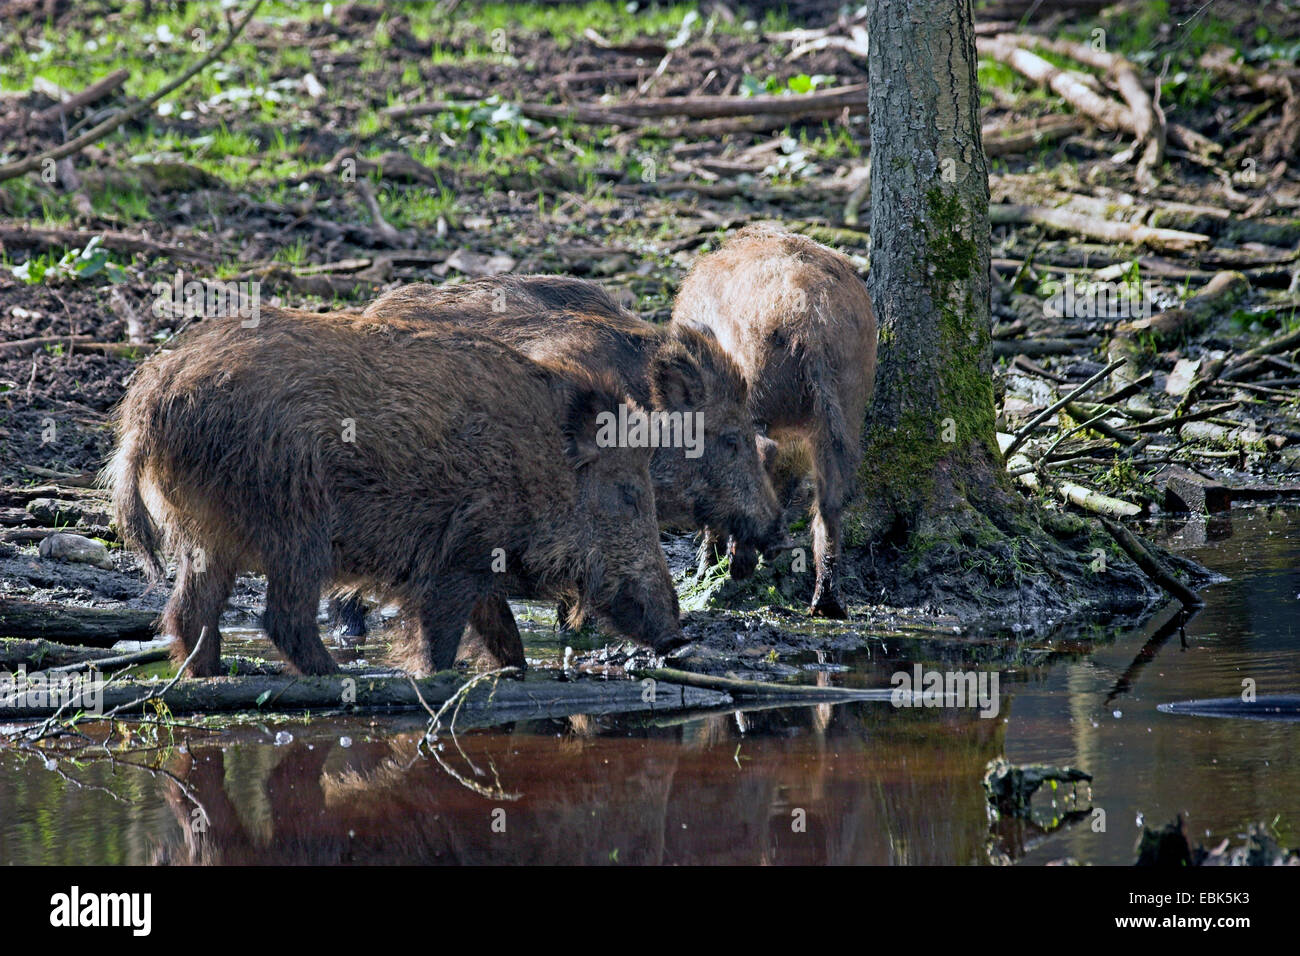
x: 934, y: 519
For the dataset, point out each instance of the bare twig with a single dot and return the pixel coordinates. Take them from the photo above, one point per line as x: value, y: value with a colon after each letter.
x: 22, y: 166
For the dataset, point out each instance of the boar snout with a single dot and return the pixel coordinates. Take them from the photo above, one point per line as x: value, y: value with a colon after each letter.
x: 648, y: 614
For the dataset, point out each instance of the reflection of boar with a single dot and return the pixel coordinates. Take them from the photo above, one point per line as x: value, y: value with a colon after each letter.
x: 797, y: 319
x: 604, y: 793
x: 434, y: 463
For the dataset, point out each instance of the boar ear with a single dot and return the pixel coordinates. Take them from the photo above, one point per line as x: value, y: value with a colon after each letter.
x: 676, y: 379
x: 583, y: 423
x: 698, y: 327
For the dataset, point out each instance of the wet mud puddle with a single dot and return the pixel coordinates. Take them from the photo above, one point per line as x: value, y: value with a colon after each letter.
x: 844, y: 783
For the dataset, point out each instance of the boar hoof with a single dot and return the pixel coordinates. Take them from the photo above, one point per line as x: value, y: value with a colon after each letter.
x: 667, y: 645
x: 827, y: 605
x: 744, y: 561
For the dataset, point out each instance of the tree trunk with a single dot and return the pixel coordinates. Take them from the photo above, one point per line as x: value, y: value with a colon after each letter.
x: 932, y: 416
x: 935, y: 520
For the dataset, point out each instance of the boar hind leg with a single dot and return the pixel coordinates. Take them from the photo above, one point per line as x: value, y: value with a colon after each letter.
x: 203, y: 584
x: 492, y: 624
x: 835, y: 454
x: 290, y: 620
x: 348, y: 612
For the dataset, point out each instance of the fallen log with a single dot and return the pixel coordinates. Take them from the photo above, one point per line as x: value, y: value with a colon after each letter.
x: 508, y: 700
x: 41, y: 654
x: 89, y: 626
x: 1077, y: 224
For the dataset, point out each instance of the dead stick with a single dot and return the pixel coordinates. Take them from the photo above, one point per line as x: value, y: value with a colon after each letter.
x: 1052, y: 409
x: 1150, y: 564
x: 94, y: 92
x: 117, y: 119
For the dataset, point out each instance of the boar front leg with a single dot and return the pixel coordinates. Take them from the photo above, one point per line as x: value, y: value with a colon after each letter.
x: 444, y: 611
x: 492, y: 625
x: 836, y: 456
x: 710, y: 552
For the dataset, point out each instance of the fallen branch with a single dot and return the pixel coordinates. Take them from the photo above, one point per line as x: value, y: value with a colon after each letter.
x: 92, y: 94
x: 1153, y: 567
x: 49, y: 238
x: 81, y: 342
x: 1019, y: 438
x: 116, y: 663
x: 1077, y: 224
x: 97, y: 133
x: 1008, y: 140
x: 1067, y: 84
x: 39, y: 654
x: 1148, y: 122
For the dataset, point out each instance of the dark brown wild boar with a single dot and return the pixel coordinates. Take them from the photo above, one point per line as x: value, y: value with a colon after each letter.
x: 716, y: 480
x: 433, y: 463
x: 797, y: 319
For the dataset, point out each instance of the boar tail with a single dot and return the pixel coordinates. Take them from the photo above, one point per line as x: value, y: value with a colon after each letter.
x: 133, y: 520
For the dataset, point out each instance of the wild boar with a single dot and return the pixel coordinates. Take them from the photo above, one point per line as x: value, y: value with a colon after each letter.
x: 430, y: 462
x: 716, y: 480
x: 797, y: 319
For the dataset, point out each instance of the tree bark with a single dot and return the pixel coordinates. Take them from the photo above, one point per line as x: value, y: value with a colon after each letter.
x: 931, y: 427
x: 936, y: 521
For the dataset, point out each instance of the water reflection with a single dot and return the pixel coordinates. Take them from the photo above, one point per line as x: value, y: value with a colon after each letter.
x: 845, y: 783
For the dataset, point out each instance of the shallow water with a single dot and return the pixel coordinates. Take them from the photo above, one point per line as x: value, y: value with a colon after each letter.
x: 848, y: 783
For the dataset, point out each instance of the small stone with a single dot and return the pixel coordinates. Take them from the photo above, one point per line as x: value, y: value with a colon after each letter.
x: 63, y: 546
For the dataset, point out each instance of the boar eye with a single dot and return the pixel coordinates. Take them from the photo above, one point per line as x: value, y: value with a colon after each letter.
x: 730, y: 444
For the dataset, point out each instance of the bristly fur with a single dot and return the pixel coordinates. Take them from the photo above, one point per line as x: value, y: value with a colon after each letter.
x: 797, y: 319
x: 324, y: 447
x: 555, y: 318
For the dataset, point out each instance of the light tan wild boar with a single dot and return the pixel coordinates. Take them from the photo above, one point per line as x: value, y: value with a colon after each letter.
x: 435, y: 464
x: 797, y: 319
